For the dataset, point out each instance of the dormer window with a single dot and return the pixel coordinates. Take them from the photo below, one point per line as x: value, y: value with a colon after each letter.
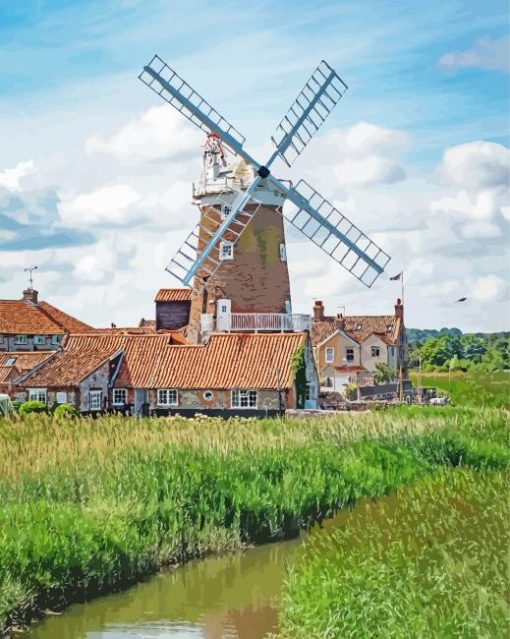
x: 11, y: 361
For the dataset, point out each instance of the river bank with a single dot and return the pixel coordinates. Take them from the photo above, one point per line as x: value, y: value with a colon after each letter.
x: 102, y: 503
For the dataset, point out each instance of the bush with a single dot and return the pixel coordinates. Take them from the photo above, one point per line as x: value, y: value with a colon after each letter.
x: 34, y: 406
x: 16, y: 405
x: 65, y: 410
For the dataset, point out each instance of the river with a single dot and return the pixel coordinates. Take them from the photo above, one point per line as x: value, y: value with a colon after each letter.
x: 228, y: 597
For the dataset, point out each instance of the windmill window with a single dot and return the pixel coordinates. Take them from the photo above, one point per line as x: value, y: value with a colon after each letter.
x: 167, y: 397
x: 349, y: 354
x: 330, y: 354
x: 283, y: 252
x: 226, y: 251
x: 244, y: 399
x: 226, y: 210
x: 376, y: 351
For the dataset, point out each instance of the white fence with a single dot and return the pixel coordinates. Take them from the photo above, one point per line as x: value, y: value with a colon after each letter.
x: 254, y: 322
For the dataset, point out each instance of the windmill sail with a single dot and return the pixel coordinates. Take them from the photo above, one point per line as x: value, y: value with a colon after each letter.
x: 322, y: 223
x: 199, y: 256
x: 164, y: 81
x: 319, y: 96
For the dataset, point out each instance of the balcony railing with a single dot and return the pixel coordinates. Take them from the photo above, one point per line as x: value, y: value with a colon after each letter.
x: 255, y: 322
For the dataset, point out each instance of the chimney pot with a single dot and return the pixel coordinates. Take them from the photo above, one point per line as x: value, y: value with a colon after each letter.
x: 30, y: 295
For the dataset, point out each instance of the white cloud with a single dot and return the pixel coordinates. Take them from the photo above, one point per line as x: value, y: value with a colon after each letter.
x: 111, y: 204
x: 365, y: 137
x: 12, y: 179
x: 159, y: 133
x: 485, y: 54
x: 372, y: 170
x: 487, y: 288
x: 477, y: 165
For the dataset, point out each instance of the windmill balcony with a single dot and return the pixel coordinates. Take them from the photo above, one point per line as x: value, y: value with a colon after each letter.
x: 255, y: 322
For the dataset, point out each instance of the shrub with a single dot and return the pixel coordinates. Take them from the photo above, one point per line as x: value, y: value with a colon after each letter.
x: 65, y: 410
x: 34, y: 406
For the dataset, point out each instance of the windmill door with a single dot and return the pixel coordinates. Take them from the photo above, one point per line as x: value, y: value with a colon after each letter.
x: 223, y: 315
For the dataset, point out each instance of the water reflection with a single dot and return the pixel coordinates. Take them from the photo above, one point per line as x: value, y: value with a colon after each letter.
x: 227, y: 597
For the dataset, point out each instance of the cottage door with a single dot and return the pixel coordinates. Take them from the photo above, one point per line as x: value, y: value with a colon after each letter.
x: 140, y: 400
x: 223, y: 315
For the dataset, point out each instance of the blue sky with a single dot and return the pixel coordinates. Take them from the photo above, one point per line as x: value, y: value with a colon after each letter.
x: 434, y: 73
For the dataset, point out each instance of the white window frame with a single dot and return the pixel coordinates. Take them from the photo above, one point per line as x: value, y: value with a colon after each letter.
x: 56, y: 340
x: 283, y: 252
x: 118, y: 402
x: 329, y: 356
x: 93, y: 395
x: 208, y: 395
x: 37, y: 395
x: 244, y: 398
x: 166, y: 399
x: 21, y: 339
x: 61, y: 397
x: 39, y: 340
x: 11, y: 361
x: 375, y: 351
x: 226, y: 251
x: 348, y: 357
x: 225, y: 210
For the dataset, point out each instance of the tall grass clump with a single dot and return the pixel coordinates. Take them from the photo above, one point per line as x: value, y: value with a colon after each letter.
x: 430, y: 561
x: 470, y: 388
x: 89, y: 506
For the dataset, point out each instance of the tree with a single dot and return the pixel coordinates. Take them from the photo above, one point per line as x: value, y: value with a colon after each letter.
x: 384, y: 374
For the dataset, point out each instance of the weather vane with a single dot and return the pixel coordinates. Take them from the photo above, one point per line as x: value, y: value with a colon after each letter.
x: 31, y: 277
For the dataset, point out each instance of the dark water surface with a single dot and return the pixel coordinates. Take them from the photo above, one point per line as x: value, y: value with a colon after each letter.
x: 228, y: 597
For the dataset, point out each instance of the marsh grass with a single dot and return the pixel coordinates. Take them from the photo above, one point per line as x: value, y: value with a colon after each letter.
x: 89, y: 506
x: 430, y: 561
x: 472, y: 388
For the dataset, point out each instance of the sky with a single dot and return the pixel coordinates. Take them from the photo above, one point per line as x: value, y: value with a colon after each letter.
x: 96, y: 170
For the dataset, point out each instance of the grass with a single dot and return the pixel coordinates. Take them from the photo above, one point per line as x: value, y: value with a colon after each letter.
x: 470, y: 388
x: 90, y: 506
x: 431, y: 561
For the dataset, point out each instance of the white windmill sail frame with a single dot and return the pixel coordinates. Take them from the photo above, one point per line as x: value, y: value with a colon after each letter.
x: 352, y: 248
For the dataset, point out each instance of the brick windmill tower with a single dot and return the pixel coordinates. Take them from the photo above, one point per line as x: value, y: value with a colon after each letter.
x: 244, y: 274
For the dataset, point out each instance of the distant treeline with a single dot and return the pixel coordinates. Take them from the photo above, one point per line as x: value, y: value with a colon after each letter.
x: 450, y: 349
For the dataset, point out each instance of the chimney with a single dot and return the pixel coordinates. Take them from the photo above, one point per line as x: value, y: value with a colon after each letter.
x: 340, y: 321
x: 318, y: 311
x: 399, y: 309
x: 30, y: 295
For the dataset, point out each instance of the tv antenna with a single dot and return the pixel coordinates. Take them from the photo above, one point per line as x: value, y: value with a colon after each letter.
x: 31, y: 277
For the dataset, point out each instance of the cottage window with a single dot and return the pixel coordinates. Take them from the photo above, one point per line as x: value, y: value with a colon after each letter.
x: 330, y: 354
x: 39, y: 339
x: 56, y: 339
x: 349, y: 354
x: 119, y: 396
x: 95, y: 399
x: 208, y: 395
x: 21, y: 339
x: 225, y: 210
x: 167, y: 397
x: 376, y: 351
x: 61, y: 397
x: 226, y: 251
x: 37, y: 395
x: 283, y: 253
x: 244, y: 399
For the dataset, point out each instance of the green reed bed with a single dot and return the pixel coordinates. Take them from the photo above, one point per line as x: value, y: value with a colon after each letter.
x: 430, y: 561
x: 90, y: 506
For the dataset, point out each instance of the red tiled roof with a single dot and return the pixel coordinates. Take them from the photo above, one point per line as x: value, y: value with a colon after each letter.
x: 126, y: 330
x: 229, y: 361
x: 25, y: 361
x: 25, y: 318
x: 358, y: 327
x: 173, y: 295
x: 81, y: 356
x: 7, y: 373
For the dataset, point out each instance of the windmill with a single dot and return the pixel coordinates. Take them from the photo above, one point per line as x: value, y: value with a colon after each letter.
x: 198, y: 259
